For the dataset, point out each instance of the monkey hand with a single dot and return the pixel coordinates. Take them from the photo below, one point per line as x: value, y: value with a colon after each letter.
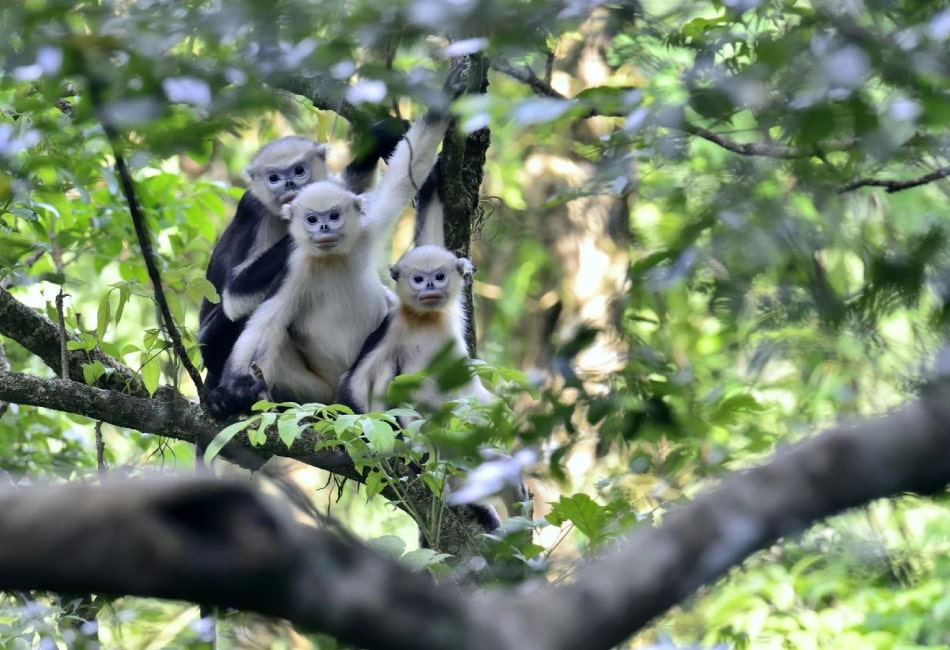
x: 454, y: 87
x: 236, y: 395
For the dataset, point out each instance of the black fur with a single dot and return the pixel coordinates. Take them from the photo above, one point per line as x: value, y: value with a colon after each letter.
x: 238, y: 397
x: 346, y: 390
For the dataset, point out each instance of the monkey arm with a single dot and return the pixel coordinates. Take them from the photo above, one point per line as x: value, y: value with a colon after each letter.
x: 410, y: 164
x: 248, y: 284
x: 378, y: 143
x: 217, y: 336
x: 356, y: 383
x: 233, y: 246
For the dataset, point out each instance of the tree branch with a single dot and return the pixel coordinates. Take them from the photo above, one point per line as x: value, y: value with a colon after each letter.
x: 41, y: 336
x: 461, y: 168
x: 892, y: 186
x: 219, y: 542
x: 175, y: 417
x: 543, y: 88
x: 225, y: 543
x: 141, y: 233
x: 329, y: 94
x: 181, y: 419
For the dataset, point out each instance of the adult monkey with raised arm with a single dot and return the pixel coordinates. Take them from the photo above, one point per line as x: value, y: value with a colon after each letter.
x: 251, y: 254
x: 309, y: 331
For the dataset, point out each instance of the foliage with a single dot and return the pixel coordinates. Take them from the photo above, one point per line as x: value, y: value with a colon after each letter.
x: 759, y: 169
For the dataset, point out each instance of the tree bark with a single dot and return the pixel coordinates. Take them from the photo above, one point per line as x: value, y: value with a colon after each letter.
x: 224, y: 543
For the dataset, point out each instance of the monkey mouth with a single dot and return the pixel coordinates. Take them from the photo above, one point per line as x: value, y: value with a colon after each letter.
x: 430, y: 298
x: 288, y: 197
x: 325, y: 242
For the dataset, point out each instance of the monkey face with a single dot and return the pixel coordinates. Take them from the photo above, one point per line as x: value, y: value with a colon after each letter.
x: 325, y: 227
x: 428, y: 278
x: 324, y: 219
x: 430, y: 287
x: 283, y: 167
x: 284, y: 183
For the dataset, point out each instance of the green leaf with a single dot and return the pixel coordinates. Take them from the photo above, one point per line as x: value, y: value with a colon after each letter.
x: 151, y: 372
x: 376, y: 480
x: 288, y: 431
x: 103, y: 315
x: 587, y: 515
x: 259, y: 435
x: 200, y: 288
x: 224, y: 437
x: 388, y: 544
x: 92, y: 371
x: 423, y: 558
x: 381, y: 436
x: 124, y: 292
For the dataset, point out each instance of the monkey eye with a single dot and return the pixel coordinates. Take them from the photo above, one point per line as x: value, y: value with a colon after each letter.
x: 334, y: 216
x: 311, y: 218
x: 300, y: 170
x: 273, y: 178
x: 417, y: 279
x: 440, y: 276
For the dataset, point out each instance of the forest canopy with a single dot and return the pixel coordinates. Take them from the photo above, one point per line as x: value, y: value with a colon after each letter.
x: 711, y: 295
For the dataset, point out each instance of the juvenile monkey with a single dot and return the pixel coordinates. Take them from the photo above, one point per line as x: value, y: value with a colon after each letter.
x: 428, y: 321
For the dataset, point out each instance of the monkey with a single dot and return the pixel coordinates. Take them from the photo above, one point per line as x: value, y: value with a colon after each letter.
x: 429, y: 321
x: 308, y: 332
x: 251, y: 254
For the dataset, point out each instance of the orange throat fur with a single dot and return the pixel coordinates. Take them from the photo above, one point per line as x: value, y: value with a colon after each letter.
x: 412, y: 317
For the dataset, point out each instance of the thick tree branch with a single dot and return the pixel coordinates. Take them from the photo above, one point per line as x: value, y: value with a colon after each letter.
x: 181, y: 419
x: 697, y: 543
x: 218, y: 542
x: 41, y: 336
x: 224, y: 543
x: 461, y: 168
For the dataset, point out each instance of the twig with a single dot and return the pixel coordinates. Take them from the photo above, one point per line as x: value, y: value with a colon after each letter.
x: 7, y: 282
x: 545, y: 89
x: 141, y: 233
x: 891, y: 186
x: 528, y: 77
x: 4, y: 367
x: 63, y: 350
x: 100, y: 450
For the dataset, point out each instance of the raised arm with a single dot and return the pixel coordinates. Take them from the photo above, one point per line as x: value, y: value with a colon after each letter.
x: 410, y: 164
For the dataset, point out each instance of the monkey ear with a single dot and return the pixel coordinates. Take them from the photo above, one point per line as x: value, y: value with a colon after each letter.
x: 287, y: 212
x: 465, y: 267
x: 394, y: 272
x: 320, y: 151
x: 247, y: 174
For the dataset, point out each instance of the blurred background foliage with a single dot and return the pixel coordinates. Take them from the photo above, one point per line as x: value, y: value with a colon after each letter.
x: 701, y: 238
